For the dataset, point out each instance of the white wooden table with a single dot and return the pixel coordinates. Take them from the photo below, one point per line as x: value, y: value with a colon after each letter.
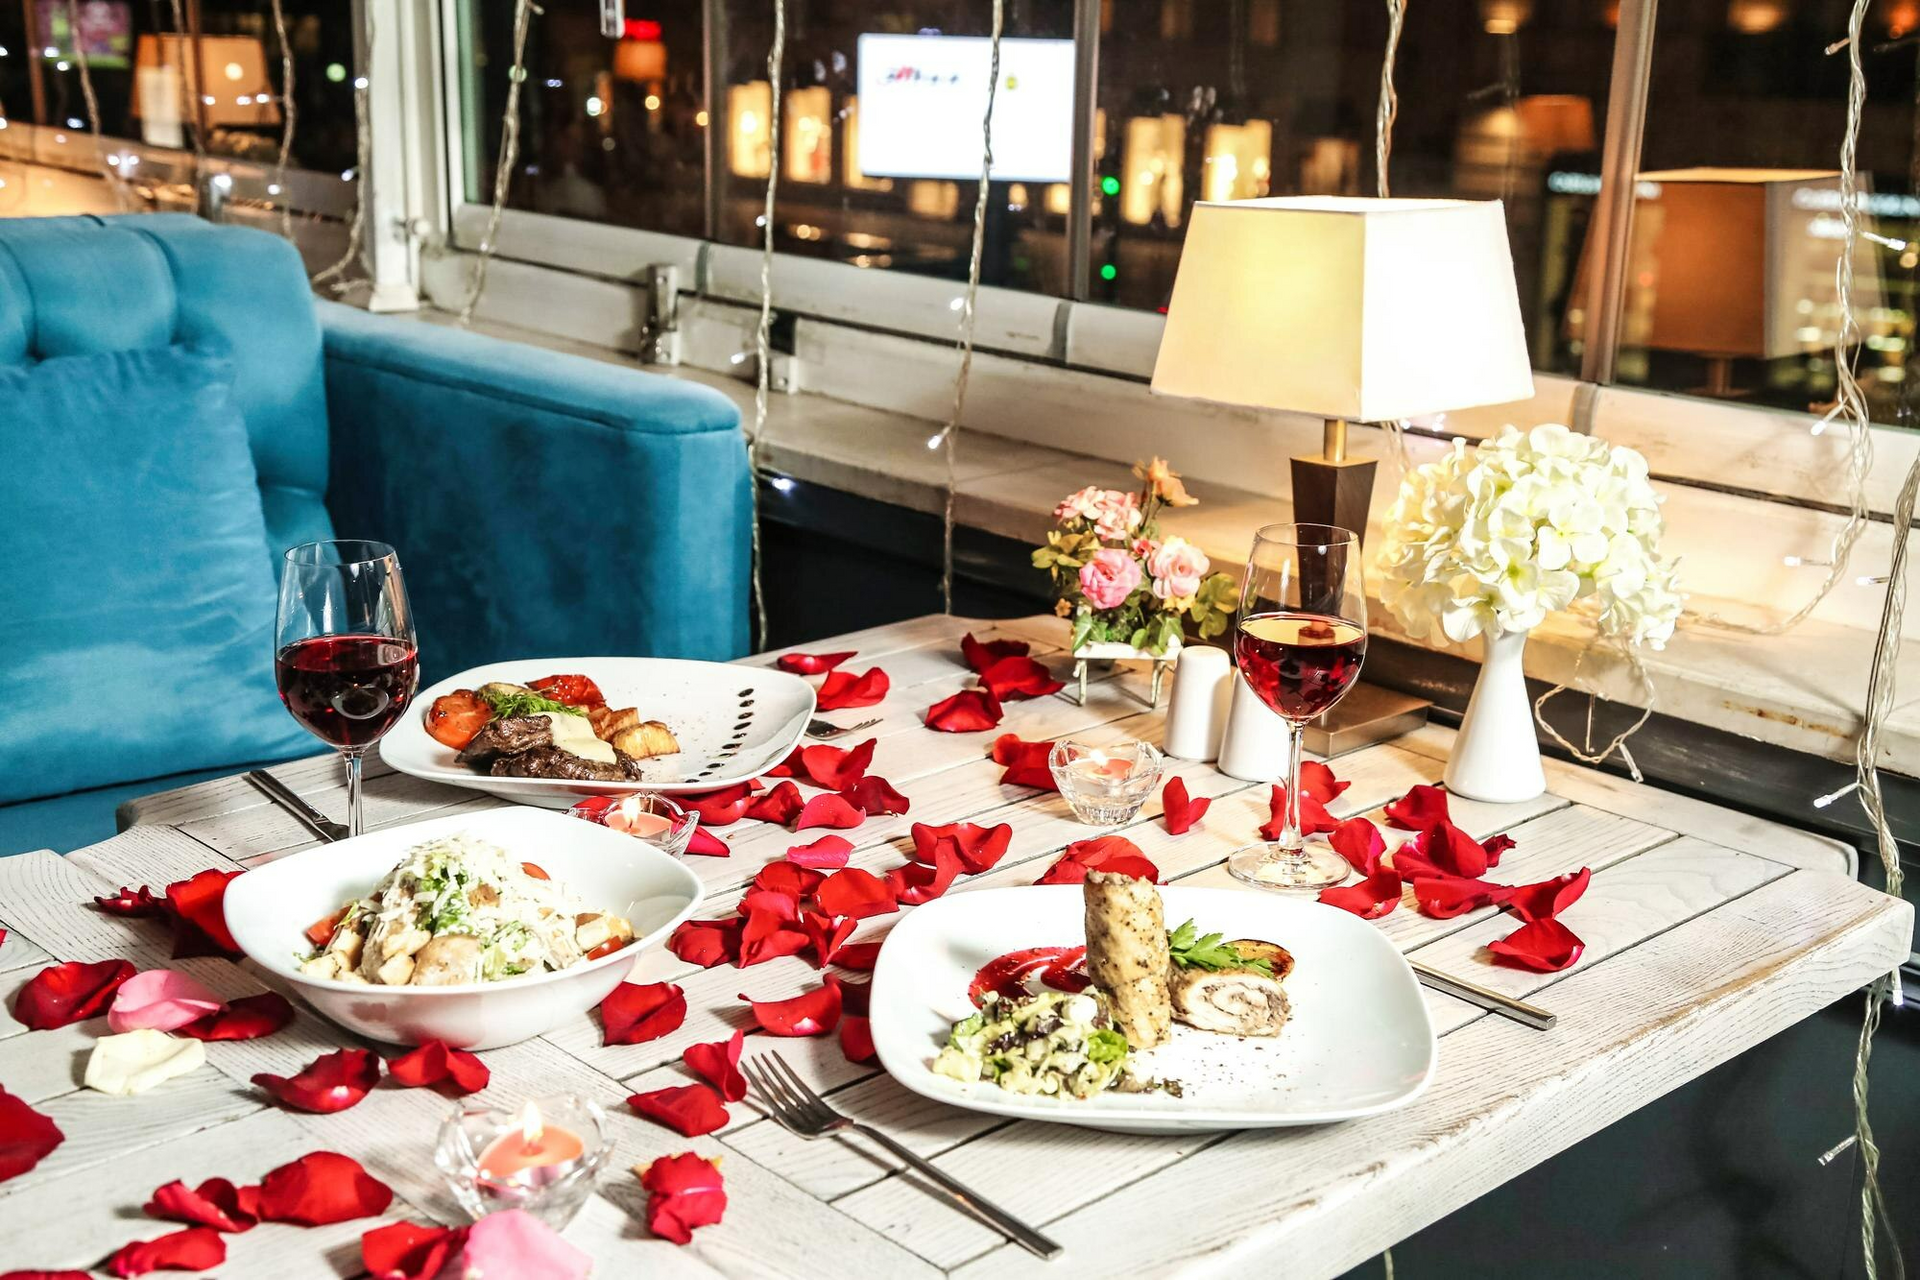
x: 1706, y: 932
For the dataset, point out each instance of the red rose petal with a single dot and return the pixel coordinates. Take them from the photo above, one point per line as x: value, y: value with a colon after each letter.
x: 1544, y: 946
x: 783, y: 907
x: 319, y: 1188
x: 854, y: 999
x: 1422, y: 807
x: 856, y: 1039
x: 215, y: 1203
x: 854, y: 892
x: 331, y: 1082
x: 1370, y: 899
x: 779, y: 806
x: 68, y: 992
x: 841, y: 690
x: 1115, y: 854
x: 769, y: 936
x: 975, y: 848
x: 917, y: 883
x: 1444, y: 897
x: 1018, y: 677
x: 1026, y: 762
x: 635, y: 1013
x: 826, y: 935
x: 720, y: 808
x: 828, y: 811
x: 683, y: 1192
x: 828, y: 853
x: 830, y: 767
x: 874, y: 796
x: 46, y: 1275
x: 858, y: 956
x: 707, y: 844
x: 1313, y: 816
x: 1181, y: 811
x: 194, y: 1249
x: 813, y: 1013
x: 26, y: 1136
x: 688, y: 1109
x: 718, y: 1063
x: 409, y: 1250
x: 1360, y: 843
x: 1445, y: 848
x: 1497, y: 845
x: 980, y: 655
x: 437, y: 1062
x: 706, y: 942
x: 1317, y: 780
x: 969, y: 711
x: 788, y: 878
x: 1546, y: 899
x: 247, y: 1018
x: 811, y: 664
x: 133, y: 904
x: 200, y: 902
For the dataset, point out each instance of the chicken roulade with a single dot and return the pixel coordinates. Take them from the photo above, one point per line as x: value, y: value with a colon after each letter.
x: 1127, y: 955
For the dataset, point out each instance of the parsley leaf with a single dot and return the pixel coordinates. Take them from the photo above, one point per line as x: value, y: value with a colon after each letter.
x: 524, y: 704
x: 1190, y: 949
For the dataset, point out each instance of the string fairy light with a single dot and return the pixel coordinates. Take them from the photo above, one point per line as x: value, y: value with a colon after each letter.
x: 190, y: 89
x: 508, y: 157
x: 1385, y: 116
x: 363, y: 155
x: 281, y: 191
x: 763, y: 330
x: 109, y: 171
x: 948, y: 437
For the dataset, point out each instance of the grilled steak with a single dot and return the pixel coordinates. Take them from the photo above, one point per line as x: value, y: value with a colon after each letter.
x: 550, y: 761
x: 507, y: 736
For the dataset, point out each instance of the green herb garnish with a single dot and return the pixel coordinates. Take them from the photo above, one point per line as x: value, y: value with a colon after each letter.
x: 1106, y: 1045
x: 526, y: 703
x: 1192, y: 950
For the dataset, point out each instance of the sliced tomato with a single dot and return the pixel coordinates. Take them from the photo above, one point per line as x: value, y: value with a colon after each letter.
x: 608, y: 947
x: 457, y: 718
x: 320, y: 932
x: 533, y: 869
x: 573, y: 691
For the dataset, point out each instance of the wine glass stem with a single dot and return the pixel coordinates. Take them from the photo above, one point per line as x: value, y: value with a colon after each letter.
x: 353, y: 755
x: 1291, y: 841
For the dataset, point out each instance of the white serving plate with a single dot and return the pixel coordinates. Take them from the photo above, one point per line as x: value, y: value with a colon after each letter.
x: 1359, y: 1040
x: 733, y: 723
x: 269, y: 908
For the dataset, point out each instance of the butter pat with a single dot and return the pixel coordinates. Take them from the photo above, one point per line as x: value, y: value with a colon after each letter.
x: 136, y: 1061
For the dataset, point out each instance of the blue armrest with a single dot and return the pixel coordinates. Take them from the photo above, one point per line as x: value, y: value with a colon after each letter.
x: 542, y: 504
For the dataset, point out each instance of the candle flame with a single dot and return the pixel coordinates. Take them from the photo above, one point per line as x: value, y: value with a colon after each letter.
x: 530, y: 1126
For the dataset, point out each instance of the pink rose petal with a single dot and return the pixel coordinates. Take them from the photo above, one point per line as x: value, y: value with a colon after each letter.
x: 160, y: 1000
x: 514, y: 1243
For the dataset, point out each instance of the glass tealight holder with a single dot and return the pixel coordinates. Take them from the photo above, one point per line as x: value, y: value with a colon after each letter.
x: 652, y: 818
x: 542, y: 1157
x: 1105, y: 785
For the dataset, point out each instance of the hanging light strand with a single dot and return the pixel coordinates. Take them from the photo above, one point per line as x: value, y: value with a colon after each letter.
x: 363, y: 154
x: 281, y: 194
x: 948, y: 438
x: 109, y: 171
x: 508, y: 157
x: 763, y: 331
x: 190, y: 88
x: 1384, y: 118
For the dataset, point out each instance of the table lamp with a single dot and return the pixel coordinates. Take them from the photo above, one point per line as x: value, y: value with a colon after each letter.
x: 1349, y: 309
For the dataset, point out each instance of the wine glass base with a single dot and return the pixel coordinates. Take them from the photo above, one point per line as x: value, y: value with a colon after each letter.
x: 1270, y: 866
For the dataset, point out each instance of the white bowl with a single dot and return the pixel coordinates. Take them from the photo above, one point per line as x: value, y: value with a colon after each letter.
x: 269, y: 908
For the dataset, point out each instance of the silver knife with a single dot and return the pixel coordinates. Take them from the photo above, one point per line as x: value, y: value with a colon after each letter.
x: 1520, y: 1011
x: 300, y: 811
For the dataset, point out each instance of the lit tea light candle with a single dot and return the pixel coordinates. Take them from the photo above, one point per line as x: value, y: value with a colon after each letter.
x: 1099, y: 764
x: 636, y: 821
x: 533, y: 1146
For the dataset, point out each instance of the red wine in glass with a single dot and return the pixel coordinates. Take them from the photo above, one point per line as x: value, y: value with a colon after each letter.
x: 1299, y: 664
x: 347, y: 689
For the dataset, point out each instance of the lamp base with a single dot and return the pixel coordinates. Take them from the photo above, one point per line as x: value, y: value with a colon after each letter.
x: 1333, y: 492
x: 1368, y: 714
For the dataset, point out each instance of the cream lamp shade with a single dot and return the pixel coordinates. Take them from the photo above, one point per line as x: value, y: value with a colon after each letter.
x: 1346, y: 308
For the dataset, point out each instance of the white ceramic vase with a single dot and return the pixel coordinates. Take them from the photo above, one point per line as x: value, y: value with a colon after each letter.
x: 1495, y: 755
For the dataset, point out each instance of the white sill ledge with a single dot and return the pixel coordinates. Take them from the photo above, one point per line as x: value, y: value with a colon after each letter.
x: 1802, y: 691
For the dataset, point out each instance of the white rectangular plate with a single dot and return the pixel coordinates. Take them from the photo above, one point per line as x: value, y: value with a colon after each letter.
x: 1359, y: 1040
x: 732, y: 723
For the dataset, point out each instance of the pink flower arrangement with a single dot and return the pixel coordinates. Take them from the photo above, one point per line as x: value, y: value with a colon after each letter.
x: 1119, y: 580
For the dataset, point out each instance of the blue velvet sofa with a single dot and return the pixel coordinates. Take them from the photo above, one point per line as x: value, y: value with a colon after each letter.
x: 541, y: 504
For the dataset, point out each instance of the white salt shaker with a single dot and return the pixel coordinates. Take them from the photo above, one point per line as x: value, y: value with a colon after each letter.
x: 1197, y: 711
x: 1255, y: 747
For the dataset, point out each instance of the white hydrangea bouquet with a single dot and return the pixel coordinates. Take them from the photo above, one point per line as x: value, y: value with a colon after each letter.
x: 1494, y: 539
x: 1487, y: 542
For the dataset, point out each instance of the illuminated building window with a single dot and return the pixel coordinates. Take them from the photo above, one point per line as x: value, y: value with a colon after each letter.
x: 1239, y: 161
x: 809, y: 135
x: 750, y: 112
x: 1150, y: 179
x: 851, y: 174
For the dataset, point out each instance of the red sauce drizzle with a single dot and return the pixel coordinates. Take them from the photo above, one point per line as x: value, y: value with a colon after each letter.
x: 1058, y: 967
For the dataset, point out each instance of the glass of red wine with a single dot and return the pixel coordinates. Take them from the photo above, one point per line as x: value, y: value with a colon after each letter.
x: 1299, y: 642
x: 345, y: 656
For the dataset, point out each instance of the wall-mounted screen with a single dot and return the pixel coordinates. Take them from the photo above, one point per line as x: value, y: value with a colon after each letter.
x: 922, y: 98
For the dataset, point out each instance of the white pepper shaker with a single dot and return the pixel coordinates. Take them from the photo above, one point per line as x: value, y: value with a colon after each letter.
x: 1255, y: 748
x: 1197, y: 711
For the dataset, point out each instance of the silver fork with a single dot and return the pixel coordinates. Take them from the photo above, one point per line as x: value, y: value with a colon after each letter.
x: 823, y: 729
x: 803, y: 1113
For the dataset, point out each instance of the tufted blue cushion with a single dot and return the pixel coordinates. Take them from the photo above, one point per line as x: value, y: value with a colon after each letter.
x: 138, y: 627
x: 72, y: 286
